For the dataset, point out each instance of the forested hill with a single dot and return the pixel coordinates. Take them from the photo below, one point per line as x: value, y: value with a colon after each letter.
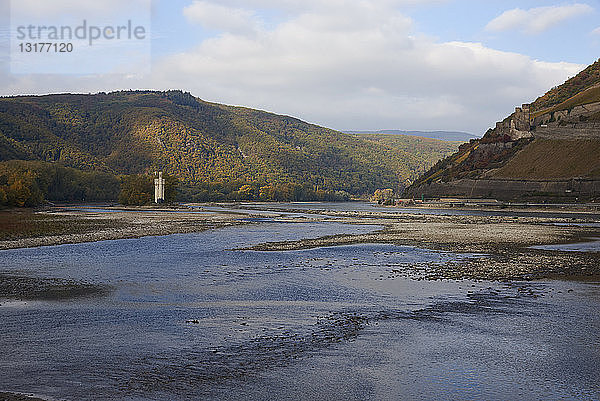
x: 136, y: 132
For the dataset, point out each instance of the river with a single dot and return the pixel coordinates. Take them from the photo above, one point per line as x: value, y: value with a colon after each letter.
x: 190, y: 316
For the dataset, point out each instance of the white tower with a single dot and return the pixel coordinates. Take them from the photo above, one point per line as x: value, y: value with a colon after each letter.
x: 159, y: 188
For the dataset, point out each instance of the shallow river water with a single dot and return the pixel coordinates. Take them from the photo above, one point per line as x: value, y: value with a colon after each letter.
x: 191, y: 317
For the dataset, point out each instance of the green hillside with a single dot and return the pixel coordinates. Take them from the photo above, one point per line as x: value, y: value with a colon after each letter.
x: 137, y: 132
x: 415, y: 149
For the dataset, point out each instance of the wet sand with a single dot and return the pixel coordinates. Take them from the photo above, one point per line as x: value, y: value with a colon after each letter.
x: 30, y: 288
x: 18, y: 397
x: 77, y: 225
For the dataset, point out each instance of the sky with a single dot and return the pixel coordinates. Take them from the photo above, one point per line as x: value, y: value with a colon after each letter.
x: 344, y: 64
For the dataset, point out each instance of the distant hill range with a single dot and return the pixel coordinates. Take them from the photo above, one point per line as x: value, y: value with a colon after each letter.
x: 546, y: 150
x: 137, y: 132
x: 450, y: 136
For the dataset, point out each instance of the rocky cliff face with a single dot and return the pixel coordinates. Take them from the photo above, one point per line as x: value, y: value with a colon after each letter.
x: 550, y: 153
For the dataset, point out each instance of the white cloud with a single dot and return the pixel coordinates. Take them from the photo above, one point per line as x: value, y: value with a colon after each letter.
x: 363, y: 68
x: 536, y: 20
x: 360, y: 66
x: 596, y: 31
x: 222, y: 18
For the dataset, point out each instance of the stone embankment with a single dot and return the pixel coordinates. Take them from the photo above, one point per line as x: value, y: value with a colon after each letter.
x: 511, y: 189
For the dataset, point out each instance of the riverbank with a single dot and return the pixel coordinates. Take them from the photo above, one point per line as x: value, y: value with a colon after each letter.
x: 65, y: 225
x: 503, y: 240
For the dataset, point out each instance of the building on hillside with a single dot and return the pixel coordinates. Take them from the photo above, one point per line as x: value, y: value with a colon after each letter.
x: 518, y: 125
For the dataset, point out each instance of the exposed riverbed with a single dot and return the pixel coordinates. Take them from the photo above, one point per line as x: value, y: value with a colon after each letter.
x: 325, y: 302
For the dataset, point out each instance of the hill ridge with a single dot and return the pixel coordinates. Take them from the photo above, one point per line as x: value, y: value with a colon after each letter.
x: 133, y: 132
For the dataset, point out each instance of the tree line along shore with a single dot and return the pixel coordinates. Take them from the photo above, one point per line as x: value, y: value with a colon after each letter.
x: 35, y: 183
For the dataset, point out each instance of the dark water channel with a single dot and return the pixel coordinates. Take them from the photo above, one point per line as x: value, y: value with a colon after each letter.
x: 189, y: 318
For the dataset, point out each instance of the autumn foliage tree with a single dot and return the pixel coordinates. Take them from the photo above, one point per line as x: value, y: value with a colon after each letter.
x: 22, y: 190
x: 136, y: 190
x: 30, y: 183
